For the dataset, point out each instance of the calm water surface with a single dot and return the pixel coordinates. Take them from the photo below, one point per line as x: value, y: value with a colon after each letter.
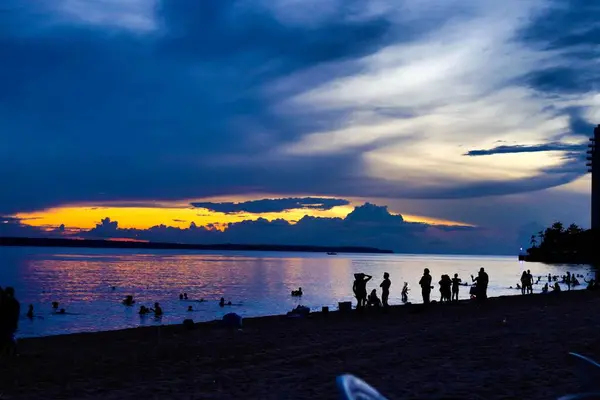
x: 258, y: 283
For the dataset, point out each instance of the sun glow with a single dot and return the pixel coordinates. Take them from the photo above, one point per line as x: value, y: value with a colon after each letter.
x: 181, y: 215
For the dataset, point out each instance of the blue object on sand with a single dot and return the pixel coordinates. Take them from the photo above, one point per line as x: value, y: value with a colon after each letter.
x: 232, y: 320
x: 589, y: 374
x: 353, y: 388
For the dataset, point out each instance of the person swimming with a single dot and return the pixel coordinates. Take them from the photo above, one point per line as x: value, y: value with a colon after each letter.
x: 297, y: 293
x: 545, y: 288
x: 129, y: 301
x: 222, y: 302
x: 157, y: 310
x: 190, y: 308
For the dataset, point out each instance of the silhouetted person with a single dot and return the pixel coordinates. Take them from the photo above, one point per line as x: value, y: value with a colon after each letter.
x: 222, y: 302
x: 455, y: 285
x: 143, y: 310
x: 128, y: 301
x: 373, y: 300
x: 482, y: 281
x: 426, y: 287
x: 568, y: 280
x: 445, y: 287
x: 529, y: 288
x: 180, y: 296
x: 190, y: 308
x: 556, y: 288
x: 545, y: 288
x: 157, y: 310
x: 591, y: 284
x: 61, y: 311
x: 549, y: 278
x: 524, y: 282
x: 55, y: 305
x: 30, y: 312
x: 297, y: 293
x: 385, y: 289
x: 404, y: 293
x: 360, y: 288
x: 10, y: 310
x: 185, y: 296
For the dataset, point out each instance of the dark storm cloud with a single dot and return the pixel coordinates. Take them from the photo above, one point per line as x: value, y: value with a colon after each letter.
x: 273, y: 205
x: 505, y: 149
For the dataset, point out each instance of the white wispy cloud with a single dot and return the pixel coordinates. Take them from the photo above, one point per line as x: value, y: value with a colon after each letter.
x: 460, y: 85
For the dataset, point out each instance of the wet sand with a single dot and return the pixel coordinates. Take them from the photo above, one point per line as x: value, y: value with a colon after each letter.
x: 442, y: 351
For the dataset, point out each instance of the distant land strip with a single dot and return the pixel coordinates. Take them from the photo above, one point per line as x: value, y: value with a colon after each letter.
x: 112, y: 244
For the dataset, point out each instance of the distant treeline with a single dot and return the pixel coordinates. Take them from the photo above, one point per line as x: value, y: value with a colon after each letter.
x: 112, y: 244
x: 557, y: 244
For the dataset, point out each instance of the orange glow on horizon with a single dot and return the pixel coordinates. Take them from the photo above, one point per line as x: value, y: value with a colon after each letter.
x: 181, y: 215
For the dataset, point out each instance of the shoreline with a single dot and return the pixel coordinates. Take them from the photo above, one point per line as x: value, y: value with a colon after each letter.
x: 115, y: 244
x: 509, y: 347
x: 215, y: 323
x: 394, y: 308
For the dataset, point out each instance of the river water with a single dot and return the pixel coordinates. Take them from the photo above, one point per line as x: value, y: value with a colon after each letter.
x: 257, y: 283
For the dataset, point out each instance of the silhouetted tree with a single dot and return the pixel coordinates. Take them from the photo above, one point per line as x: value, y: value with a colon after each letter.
x: 533, y: 241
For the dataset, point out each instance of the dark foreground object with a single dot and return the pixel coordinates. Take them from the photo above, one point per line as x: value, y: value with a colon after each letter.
x: 512, y: 347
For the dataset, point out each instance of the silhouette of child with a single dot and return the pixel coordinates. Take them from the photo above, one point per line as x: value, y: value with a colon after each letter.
x: 373, y: 300
x: 405, y: 290
x: 455, y: 286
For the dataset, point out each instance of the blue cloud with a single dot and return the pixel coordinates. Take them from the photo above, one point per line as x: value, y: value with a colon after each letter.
x: 273, y: 205
x: 506, y: 149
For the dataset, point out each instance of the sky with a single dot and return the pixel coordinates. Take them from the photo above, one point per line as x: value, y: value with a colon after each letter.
x: 227, y: 119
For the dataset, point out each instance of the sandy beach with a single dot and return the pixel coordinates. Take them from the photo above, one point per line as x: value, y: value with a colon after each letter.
x: 444, y: 351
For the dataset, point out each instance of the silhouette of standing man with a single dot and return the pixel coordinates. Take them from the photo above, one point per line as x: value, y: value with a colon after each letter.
x: 385, y: 289
x: 425, y: 283
x: 482, y: 283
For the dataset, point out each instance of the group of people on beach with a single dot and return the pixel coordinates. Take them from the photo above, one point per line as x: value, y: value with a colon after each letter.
x: 10, y: 308
x: 449, y: 288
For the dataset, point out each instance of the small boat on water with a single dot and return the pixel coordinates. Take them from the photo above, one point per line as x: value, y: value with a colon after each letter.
x: 331, y: 253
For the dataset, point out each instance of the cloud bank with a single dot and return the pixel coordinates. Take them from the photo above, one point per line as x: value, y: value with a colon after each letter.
x: 273, y: 205
x: 367, y: 225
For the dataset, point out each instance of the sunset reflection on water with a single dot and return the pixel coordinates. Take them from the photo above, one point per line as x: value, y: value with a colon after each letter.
x: 260, y: 282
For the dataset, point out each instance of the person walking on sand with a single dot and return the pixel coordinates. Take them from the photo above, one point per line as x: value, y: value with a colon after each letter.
x: 385, y: 289
x: 482, y: 281
x: 455, y: 285
x: 426, y: 287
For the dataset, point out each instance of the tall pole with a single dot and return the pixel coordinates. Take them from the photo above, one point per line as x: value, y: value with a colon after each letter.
x: 594, y: 161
